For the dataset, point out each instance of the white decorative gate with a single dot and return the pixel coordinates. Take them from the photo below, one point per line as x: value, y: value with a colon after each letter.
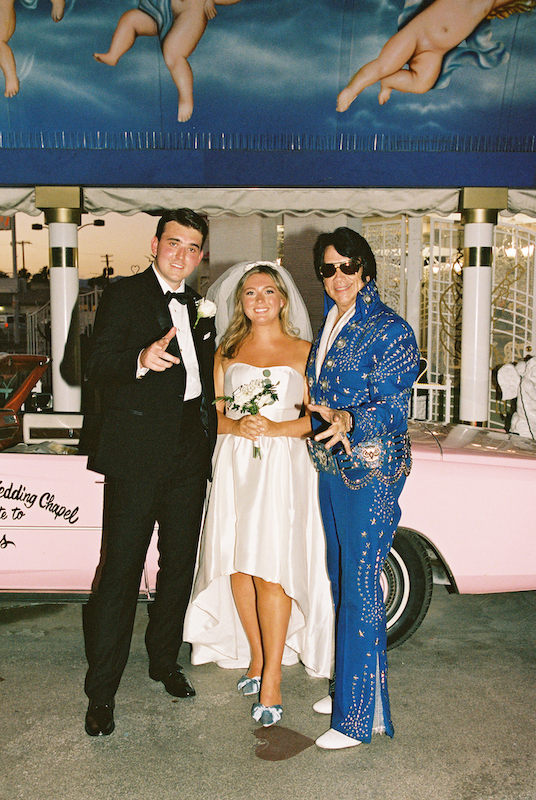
x: 513, y: 331
x: 513, y: 304
x: 387, y: 240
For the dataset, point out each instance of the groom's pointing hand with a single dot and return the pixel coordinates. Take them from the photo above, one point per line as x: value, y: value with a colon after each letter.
x: 156, y: 357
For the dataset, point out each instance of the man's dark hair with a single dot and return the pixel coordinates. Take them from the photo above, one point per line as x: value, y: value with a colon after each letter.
x: 348, y: 243
x: 186, y: 217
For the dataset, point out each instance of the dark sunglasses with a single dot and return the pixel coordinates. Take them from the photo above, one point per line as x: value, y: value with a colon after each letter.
x: 348, y: 267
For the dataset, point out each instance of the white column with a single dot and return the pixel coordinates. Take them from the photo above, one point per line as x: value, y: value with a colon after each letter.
x: 65, y: 326
x: 480, y: 207
x: 63, y: 208
x: 414, y: 275
x: 476, y: 321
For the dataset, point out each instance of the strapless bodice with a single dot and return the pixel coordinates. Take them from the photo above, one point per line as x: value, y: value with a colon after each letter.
x: 289, y: 388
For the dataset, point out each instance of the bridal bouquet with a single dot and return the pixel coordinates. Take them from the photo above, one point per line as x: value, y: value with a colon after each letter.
x: 250, y: 397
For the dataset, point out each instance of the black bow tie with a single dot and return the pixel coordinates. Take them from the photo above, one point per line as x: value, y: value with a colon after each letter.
x: 181, y: 297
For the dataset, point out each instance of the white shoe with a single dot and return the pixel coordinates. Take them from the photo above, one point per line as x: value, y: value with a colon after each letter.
x: 333, y: 740
x: 324, y: 706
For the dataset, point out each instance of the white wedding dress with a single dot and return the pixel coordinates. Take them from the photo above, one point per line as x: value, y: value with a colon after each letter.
x: 263, y: 519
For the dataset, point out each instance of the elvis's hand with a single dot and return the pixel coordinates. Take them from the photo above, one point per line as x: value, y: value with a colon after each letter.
x: 340, y: 424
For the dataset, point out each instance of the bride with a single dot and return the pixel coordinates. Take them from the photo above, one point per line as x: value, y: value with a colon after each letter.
x: 262, y: 544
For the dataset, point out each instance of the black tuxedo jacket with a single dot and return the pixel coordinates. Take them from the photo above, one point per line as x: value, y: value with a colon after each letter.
x: 140, y: 417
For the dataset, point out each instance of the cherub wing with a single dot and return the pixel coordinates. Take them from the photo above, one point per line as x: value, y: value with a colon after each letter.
x: 508, y: 379
x: 514, y: 7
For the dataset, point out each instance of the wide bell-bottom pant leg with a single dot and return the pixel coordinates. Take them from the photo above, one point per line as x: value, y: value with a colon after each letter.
x: 360, y: 526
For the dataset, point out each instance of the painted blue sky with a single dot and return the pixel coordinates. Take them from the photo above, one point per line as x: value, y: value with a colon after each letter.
x: 261, y: 66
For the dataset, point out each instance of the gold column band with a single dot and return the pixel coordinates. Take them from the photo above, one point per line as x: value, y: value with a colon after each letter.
x: 477, y: 257
x: 71, y: 215
x: 63, y: 257
x: 488, y: 215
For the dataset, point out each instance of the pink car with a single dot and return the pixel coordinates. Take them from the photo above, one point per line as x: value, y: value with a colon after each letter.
x: 468, y: 514
x: 18, y: 376
x: 468, y: 511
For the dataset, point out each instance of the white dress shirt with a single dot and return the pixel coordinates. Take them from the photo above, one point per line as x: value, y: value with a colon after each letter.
x: 330, y: 333
x: 181, y: 321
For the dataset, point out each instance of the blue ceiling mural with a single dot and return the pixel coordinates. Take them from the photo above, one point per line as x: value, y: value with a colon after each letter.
x: 429, y: 93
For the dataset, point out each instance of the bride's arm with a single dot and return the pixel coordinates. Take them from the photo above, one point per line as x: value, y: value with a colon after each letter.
x: 301, y: 427
x: 297, y: 428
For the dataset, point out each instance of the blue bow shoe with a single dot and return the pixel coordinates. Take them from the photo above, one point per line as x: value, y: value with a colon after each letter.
x: 266, y: 715
x: 249, y: 685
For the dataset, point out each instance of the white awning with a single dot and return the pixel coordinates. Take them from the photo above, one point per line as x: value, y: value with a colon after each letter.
x: 522, y: 201
x: 268, y: 202
x: 13, y: 199
x: 273, y: 202
x: 244, y: 202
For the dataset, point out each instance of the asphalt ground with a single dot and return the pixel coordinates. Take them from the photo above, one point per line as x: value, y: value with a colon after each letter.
x: 463, y: 694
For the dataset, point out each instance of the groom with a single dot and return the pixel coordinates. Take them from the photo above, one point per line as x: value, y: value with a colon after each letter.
x: 152, y: 360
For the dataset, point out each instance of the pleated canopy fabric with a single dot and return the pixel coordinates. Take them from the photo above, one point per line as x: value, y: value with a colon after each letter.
x: 267, y: 202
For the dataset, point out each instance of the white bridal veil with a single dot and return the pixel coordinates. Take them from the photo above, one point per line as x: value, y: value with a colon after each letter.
x: 222, y: 293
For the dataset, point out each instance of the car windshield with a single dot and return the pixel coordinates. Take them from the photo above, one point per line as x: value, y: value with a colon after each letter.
x: 18, y: 376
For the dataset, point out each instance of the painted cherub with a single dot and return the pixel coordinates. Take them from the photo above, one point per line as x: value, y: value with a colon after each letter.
x: 179, y: 24
x: 8, y: 23
x: 422, y: 45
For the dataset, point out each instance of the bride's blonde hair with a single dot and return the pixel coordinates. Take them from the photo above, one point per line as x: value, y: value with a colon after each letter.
x: 240, y: 325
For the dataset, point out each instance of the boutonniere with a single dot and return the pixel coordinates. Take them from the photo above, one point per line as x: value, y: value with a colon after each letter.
x: 205, y: 308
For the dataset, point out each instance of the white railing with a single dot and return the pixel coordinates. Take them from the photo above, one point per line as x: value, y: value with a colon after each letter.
x: 87, y: 307
x: 38, y: 322
x: 38, y: 331
x: 431, y: 402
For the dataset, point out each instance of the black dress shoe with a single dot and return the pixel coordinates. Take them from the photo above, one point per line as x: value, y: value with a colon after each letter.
x: 175, y: 681
x: 100, y: 718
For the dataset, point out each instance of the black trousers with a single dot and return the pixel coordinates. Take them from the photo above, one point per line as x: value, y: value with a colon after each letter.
x: 174, y: 499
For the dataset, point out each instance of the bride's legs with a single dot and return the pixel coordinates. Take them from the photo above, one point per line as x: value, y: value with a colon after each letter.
x: 273, y: 609
x: 245, y: 597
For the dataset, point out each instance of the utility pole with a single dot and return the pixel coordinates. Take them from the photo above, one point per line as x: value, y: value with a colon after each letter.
x: 16, y: 299
x: 15, y: 302
x: 23, y: 257
x: 108, y: 269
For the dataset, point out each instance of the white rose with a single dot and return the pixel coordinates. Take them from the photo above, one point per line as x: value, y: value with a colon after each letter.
x: 205, y: 308
x: 244, y: 393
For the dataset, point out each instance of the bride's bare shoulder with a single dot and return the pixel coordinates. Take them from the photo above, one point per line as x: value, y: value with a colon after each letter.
x: 299, y: 353
x: 303, y: 347
x: 221, y: 362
